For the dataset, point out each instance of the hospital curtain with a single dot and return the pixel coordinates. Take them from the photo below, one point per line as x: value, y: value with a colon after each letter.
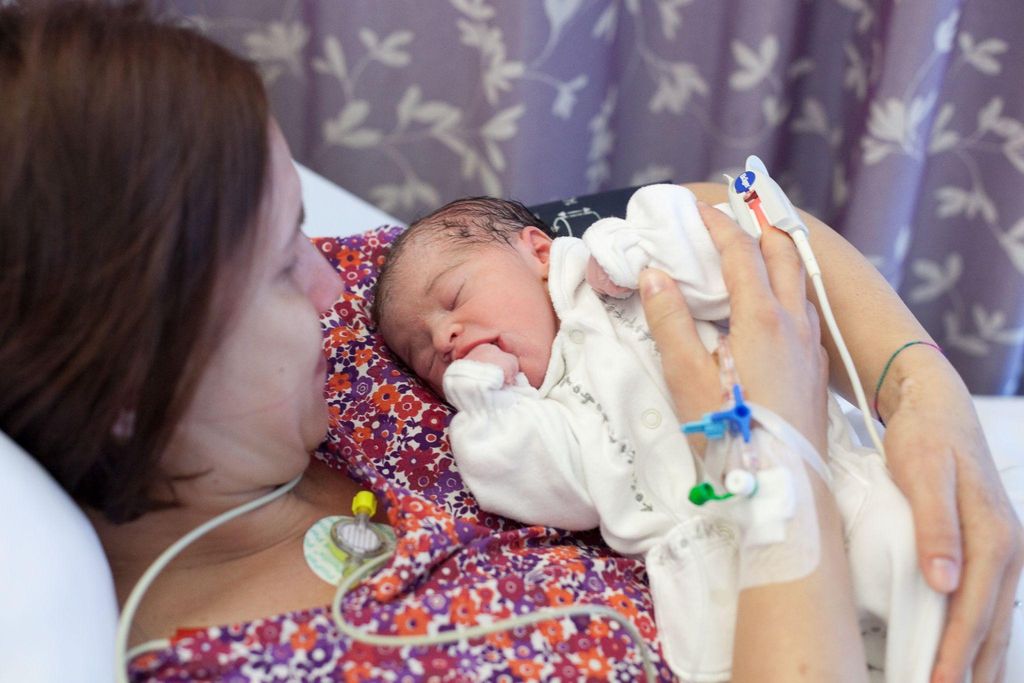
x: 899, y: 122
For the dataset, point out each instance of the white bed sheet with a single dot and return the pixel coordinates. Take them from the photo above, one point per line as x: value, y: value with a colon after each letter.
x: 335, y: 212
x: 1002, y: 419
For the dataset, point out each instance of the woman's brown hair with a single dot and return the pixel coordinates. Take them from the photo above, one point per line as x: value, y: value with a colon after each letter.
x: 133, y: 157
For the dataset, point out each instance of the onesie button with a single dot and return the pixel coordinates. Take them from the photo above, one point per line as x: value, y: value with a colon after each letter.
x: 651, y: 418
x: 576, y: 336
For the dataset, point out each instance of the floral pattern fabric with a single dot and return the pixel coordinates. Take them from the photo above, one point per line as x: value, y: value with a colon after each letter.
x: 899, y: 122
x: 455, y: 565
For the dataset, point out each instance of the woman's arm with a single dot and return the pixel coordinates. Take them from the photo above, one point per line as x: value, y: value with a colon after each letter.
x: 873, y: 319
x: 964, y: 523
x: 789, y: 631
x: 803, y: 630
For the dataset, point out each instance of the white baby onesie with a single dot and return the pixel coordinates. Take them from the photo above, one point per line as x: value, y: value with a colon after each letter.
x: 598, y: 445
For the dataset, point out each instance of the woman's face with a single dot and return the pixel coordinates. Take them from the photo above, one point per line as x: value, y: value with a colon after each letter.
x: 259, y: 406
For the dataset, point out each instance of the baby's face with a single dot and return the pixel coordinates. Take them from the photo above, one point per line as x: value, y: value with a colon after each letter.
x: 448, y: 299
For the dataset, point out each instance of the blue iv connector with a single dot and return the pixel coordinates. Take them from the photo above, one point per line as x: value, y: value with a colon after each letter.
x: 713, y: 425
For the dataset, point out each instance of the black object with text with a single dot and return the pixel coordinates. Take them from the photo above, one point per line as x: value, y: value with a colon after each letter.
x: 571, y: 217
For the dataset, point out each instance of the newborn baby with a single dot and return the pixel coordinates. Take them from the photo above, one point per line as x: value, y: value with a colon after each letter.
x: 564, y: 418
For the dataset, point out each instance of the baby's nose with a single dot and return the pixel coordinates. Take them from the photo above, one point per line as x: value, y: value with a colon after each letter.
x: 445, y: 337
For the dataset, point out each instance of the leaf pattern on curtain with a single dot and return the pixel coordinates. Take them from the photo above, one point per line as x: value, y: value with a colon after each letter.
x: 900, y: 123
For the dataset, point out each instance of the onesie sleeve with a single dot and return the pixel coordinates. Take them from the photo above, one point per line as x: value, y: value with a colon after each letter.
x: 516, y: 450
x: 663, y: 229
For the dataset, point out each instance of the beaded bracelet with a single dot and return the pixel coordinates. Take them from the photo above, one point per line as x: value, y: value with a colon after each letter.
x: 888, y: 364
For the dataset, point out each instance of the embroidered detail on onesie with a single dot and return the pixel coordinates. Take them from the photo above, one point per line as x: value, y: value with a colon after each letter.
x: 629, y: 322
x: 587, y: 399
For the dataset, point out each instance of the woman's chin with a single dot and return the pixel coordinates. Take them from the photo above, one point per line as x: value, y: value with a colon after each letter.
x: 315, y: 427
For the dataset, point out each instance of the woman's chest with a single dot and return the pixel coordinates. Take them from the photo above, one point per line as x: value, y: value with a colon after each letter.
x: 269, y: 584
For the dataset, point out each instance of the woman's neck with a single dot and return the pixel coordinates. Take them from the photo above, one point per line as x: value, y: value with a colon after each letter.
x: 252, y: 567
x: 133, y: 546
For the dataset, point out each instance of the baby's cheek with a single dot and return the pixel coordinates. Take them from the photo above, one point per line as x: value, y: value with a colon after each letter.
x: 535, y: 373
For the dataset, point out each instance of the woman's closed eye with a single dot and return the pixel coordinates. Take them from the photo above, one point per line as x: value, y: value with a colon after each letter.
x: 294, y: 256
x: 289, y: 269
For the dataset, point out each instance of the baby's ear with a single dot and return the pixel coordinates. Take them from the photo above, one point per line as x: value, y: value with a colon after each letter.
x: 535, y: 244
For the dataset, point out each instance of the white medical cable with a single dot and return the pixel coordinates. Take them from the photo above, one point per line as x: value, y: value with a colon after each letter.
x: 142, y: 648
x: 803, y: 247
x: 158, y: 565
x: 778, y: 211
x: 460, y: 634
x: 122, y: 655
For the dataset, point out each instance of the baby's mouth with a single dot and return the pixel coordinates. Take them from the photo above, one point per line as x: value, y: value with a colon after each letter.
x: 469, y: 349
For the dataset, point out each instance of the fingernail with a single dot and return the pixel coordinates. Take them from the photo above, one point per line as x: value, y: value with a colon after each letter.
x: 703, y: 205
x: 944, y: 574
x: 651, y: 282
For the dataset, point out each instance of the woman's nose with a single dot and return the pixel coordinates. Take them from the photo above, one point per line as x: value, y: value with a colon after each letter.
x: 323, y: 285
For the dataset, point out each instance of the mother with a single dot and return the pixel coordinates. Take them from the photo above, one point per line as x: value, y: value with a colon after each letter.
x: 160, y: 350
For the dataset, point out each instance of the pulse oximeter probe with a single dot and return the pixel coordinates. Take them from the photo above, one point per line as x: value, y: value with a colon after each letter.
x: 759, y: 203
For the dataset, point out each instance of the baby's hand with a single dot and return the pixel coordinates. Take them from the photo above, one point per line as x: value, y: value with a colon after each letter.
x: 599, y: 281
x: 489, y: 353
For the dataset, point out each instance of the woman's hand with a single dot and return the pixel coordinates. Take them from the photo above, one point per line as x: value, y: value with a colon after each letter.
x: 775, y: 344
x: 961, y: 512
x: 774, y: 335
x: 936, y: 453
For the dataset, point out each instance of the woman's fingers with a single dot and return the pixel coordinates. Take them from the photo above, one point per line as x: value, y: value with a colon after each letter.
x: 776, y: 348
x: 743, y: 268
x: 785, y: 269
x: 980, y: 611
x: 690, y: 370
x: 752, y: 269
x: 990, y: 664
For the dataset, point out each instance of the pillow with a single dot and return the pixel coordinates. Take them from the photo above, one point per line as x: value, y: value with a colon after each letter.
x: 58, y: 613
x: 387, y: 428
x: 384, y: 423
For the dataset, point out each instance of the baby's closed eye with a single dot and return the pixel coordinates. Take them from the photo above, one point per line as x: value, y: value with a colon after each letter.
x: 455, y: 298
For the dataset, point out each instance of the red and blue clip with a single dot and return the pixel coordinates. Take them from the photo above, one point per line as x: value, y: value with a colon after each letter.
x: 713, y: 425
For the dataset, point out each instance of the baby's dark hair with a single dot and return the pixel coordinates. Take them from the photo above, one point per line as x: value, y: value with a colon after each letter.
x: 469, y: 222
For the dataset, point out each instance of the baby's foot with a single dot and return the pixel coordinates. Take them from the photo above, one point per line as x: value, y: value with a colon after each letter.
x: 489, y: 353
x: 599, y: 281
